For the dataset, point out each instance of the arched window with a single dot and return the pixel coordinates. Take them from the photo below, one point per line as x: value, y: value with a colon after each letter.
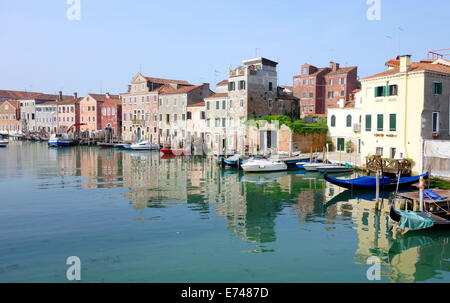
x: 349, y: 120
x: 333, y: 121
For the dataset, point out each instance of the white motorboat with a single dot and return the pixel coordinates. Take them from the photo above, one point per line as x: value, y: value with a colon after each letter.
x: 144, y: 145
x: 263, y: 165
x: 122, y: 146
x: 57, y: 140
x: 315, y: 166
x: 3, y: 143
x: 335, y: 169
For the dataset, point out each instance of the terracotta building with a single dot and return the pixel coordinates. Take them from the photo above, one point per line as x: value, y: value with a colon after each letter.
x: 140, y: 114
x: 322, y: 88
x: 68, y: 113
x: 90, y: 111
x: 111, y: 115
x: 9, y: 117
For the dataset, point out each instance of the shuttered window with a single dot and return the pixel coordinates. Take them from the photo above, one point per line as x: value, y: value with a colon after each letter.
x: 380, y: 123
x: 393, y: 122
x: 437, y: 89
x: 368, y: 123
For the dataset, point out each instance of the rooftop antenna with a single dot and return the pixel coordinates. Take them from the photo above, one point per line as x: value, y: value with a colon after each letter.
x: 400, y: 29
x: 436, y: 54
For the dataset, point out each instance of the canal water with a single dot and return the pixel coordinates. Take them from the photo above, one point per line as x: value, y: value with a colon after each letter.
x: 140, y: 217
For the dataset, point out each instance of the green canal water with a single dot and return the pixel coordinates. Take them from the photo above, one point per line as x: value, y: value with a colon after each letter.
x: 140, y: 217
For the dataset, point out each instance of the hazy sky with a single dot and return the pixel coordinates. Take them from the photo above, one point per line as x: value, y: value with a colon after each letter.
x: 199, y: 40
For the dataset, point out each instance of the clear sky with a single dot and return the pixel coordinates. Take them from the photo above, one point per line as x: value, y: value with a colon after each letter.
x: 200, y: 40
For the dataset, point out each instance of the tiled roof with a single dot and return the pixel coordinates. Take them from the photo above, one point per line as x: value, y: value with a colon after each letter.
x: 201, y: 103
x: 166, y: 81
x: 17, y: 95
x: 415, y: 67
x: 343, y: 70
x: 319, y: 70
x: 14, y: 103
x: 215, y: 96
x: 181, y: 90
x: 222, y: 83
x: 102, y: 97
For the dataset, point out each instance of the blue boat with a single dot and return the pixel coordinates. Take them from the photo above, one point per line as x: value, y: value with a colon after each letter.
x: 300, y: 164
x: 234, y: 161
x: 369, y: 182
x: 60, y: 140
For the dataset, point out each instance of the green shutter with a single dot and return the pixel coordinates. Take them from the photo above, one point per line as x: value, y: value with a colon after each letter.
x: 376, y: 92
x: 393, y: 122
x: 368, y: 123
x: 380, y: 123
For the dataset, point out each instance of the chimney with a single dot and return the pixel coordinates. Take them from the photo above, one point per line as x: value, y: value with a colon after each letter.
x: 75, y: 94
x: 405, y: 63
x: 60, y: 96
x: 108, y: 96
x: 334, y: 66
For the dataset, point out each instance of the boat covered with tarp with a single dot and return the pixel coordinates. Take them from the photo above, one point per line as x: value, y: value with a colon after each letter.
x: 370, y: 182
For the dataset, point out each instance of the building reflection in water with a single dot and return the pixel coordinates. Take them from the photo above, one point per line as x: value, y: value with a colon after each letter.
x: 413, y: 257
x: 250, y: 203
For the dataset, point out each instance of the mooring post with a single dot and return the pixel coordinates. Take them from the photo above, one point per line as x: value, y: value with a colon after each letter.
x: 421, y: 189
x: 377, y: 186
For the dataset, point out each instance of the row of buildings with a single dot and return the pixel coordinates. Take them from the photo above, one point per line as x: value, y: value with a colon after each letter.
x: 32, y: 112
x: 398, y: 113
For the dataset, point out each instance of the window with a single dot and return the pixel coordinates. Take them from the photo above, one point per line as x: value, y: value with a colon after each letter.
x: 342, y: 93
x: 311, y: 81
x: 379, y: 151
x: 437, y: 88
x: 241, y: 84
x: 217, y: 104
x: 202, y: 115
x: 311, y: 95
x: 380, y: 122
x: 330, y: 82
x: 393, y: 122
x: 393, y: 90
x: 368, y: 123
x: 342, y: 81
x: 380, y: 91
x: 217, y: 121
x: 270, y: 86
x: 241, y: 102
x: 304, y: 82
x: 333, y: 121
x: 208, y: 123
x: 224, y: 104
x: 311, y: 108
x: 189, y: 115
x: 340, y: 144
x: 207, y: 105
x: 349, y: 120
x: 231, y: 86
x: 330, y: 95
x: 435, y: 122
x: 224, y: 122
x: 392, y: 152
x: 304, y: 95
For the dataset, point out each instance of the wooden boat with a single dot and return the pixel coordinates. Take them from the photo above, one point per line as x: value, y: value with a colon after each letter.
x: 172, y: 151
x: 369, y: 182
x: 263, y: 165
x: 439, y: 219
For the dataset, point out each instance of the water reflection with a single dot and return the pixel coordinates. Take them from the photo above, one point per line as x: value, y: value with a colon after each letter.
x: 252, y: 205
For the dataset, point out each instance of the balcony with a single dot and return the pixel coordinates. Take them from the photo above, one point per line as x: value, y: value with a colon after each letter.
x: 138, y: 122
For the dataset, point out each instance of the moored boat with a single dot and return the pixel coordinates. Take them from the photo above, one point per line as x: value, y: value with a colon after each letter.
x: 263, y: 165
x: 315, y: 166
x: 4, y: 143
x: 172, y: 151
x: 144, y: 145
x: 335, y: 169
x: 62, y: 140
x: 235, y: 161
x: 369, y: 182
x: 123, y: 146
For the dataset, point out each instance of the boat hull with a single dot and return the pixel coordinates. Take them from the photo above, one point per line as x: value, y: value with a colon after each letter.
x: 334, y: 170
x: 61, y: 143
x: 370, y: 182
x: 175, y: 152
x: 439, y: 223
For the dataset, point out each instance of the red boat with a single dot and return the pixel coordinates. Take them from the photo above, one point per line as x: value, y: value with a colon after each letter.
x: 175, y: 152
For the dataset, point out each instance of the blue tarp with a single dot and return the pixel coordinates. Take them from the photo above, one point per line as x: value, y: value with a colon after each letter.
x: 428, y: 193
x: 412, y: 220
